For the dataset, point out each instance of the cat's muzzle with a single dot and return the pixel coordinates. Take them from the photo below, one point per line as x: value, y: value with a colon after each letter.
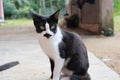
x: 47, y: 35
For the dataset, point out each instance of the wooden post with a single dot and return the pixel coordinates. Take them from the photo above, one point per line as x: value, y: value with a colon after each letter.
x: 1, y: 11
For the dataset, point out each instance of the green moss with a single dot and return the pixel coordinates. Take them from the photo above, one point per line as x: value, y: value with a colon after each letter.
x: 109, y: 32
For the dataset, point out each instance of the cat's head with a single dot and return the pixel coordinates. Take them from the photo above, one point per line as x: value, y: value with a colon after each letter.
x: 46, y: 25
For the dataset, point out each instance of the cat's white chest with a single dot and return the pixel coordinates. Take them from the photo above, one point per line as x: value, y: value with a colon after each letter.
x: 50, y: 46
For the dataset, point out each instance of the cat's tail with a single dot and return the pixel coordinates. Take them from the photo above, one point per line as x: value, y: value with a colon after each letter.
x: 8, y: 65
x: 76, y: 77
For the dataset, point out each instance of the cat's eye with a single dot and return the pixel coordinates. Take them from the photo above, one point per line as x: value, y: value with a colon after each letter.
x: 52, y: 27
x: 42, y: 27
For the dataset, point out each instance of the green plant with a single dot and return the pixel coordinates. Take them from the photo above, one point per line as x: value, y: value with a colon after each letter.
x: 20, y: 3
x: 23, y: 12
x: 109, y: 32
x: 35, y: 5
x: 116, y: 7
x: 9, y: 9
x: 20, y: 8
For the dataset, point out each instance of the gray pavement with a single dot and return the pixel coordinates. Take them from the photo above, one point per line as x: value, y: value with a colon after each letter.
x: 34, y: 64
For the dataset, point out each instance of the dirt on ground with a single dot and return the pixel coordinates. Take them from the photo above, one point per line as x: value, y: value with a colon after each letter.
x: 107, y: 49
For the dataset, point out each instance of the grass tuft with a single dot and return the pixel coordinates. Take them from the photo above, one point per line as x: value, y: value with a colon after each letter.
x: 16, y: 22
x: 117, y: 23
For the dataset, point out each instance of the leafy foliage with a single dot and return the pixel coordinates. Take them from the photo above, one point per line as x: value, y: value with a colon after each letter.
x: 117, y: 7
x: 23, y: 12
x: 20, y: 8
x: 20, y: 3
x: 9, y: 9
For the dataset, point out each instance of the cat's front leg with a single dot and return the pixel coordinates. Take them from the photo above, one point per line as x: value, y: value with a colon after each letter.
x: 59, y: 62
x: 52, y: 67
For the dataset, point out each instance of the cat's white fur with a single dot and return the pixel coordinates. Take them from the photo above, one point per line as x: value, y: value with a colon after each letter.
x: 50, y: 47
x: 47, y: 27
x: 65, y: 71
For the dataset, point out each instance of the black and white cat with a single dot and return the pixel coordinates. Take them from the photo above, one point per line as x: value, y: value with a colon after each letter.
x: 66, y: 51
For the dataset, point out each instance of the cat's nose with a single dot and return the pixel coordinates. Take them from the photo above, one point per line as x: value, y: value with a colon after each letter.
x: 47, y: 35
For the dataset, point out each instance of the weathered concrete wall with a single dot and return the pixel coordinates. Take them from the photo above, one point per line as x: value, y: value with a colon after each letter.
x: 90, y: 13
x: 93, y: 17
x: 90, y: 17
x: 106, y: 14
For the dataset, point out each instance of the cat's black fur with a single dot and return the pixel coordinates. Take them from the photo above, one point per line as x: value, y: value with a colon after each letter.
x: 71, y: 47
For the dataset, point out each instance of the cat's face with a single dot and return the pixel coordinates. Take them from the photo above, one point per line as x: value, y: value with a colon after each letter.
x: 46, y: 25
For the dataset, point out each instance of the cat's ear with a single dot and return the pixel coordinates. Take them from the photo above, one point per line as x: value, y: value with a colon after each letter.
x: 55, y: 15
x: 34, y: 15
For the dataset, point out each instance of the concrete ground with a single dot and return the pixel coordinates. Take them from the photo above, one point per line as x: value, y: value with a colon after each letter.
x: 34, y: 64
